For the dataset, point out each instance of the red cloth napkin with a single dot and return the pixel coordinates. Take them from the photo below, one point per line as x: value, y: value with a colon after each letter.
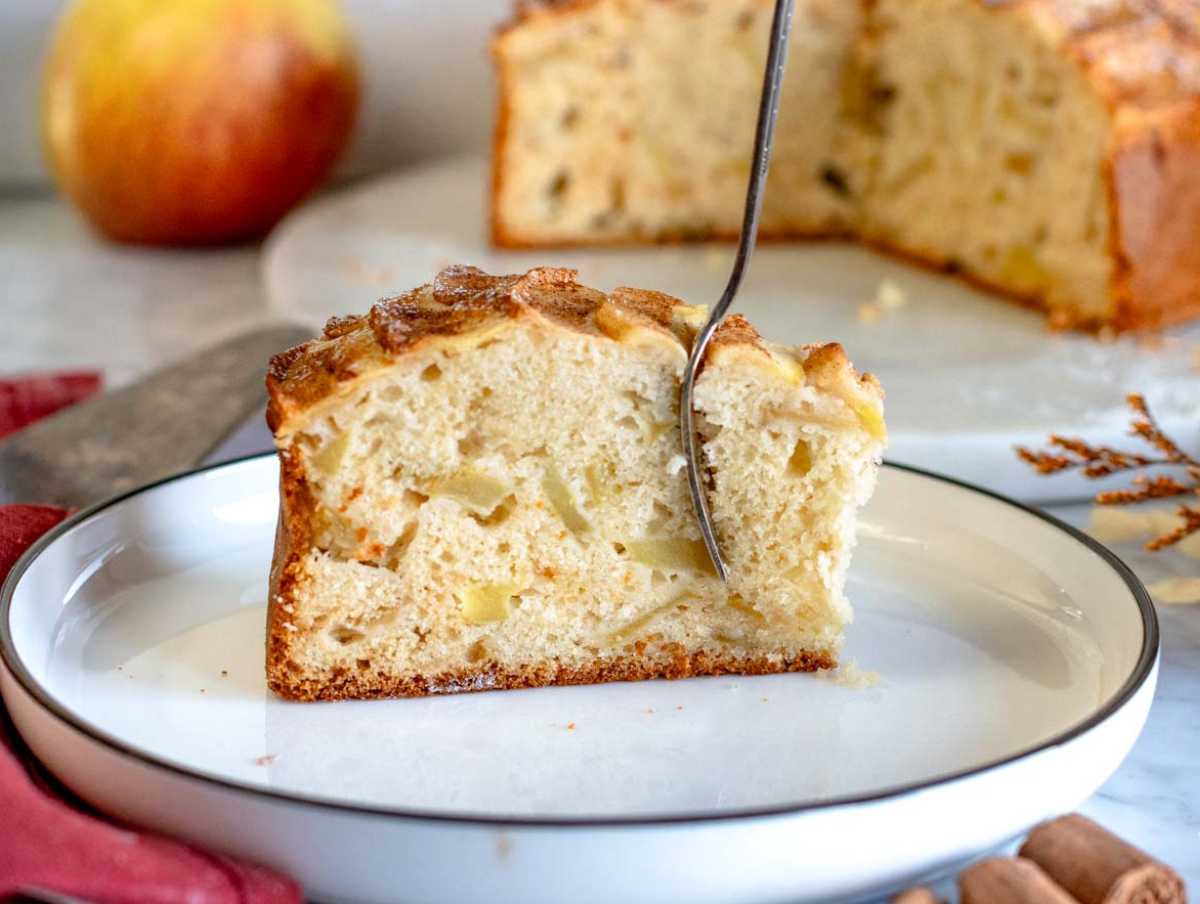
x: 48, y: 839
x: 26, y: 399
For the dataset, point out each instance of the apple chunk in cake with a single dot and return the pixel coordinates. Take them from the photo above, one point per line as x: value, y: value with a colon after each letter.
x: 481, y: 487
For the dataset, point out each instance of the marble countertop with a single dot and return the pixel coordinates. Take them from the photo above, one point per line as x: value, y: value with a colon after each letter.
x: 71, y: 301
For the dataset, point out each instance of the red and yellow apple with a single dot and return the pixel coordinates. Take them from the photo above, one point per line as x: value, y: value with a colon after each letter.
x: 196, y: 121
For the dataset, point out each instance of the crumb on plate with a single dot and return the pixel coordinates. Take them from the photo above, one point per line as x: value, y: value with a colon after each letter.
x: 890, y: 297
x: 849, y: 674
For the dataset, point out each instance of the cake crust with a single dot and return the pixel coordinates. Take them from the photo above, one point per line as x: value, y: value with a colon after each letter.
x: 464, y: 301
x: 670, y: 662
x: 1141, y: 59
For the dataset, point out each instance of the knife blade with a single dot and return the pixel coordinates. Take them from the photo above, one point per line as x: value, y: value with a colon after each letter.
x: 165, y: 423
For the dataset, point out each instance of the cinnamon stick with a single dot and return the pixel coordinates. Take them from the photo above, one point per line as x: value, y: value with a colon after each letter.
x: 1097, y: 867
x: 1009, y: 880
x: 918, y: 895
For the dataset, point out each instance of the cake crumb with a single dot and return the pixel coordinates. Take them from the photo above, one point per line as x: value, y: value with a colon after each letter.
x: 869, y: 313
x: 1178, y: 591
x: 265, y: 759
x: 890, y: 297
x: 360, y: 272
x: 503, y: 846
x: 1058, y: 320
x: 716, y: 259
x: 849, y: 674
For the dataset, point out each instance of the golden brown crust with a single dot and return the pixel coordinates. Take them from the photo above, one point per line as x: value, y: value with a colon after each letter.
x: 293, y: 541
x: 1155, y: 171
x: 1142, y: 53
x: 463, y: 300
x: 460, y: 300
x: 1142, y: 57
x: 736, y: 330
x: 670, y: 661
x: 302, y: 375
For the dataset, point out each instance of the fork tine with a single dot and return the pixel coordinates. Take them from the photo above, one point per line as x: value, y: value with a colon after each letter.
x: 768, y: 111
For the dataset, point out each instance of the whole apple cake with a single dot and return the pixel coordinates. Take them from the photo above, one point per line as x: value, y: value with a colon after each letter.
x: 482, y: 487
x: 1044, y: 148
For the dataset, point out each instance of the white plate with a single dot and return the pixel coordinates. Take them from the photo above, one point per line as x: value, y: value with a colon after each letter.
x: 968, y: 376
x: 1017, y: 662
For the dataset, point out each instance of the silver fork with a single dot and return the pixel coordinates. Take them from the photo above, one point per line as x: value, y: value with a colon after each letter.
x: 768, y: 110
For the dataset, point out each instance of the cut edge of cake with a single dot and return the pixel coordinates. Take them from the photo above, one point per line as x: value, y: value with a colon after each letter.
x: 1141, y: 65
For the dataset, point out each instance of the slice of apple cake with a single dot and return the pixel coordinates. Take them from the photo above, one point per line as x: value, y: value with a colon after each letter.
x: 481, y: 487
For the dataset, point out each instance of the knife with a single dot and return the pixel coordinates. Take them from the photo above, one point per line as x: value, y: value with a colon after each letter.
x: 165, y: 423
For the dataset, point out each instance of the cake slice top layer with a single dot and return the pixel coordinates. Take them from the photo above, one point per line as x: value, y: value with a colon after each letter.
x: 464, y: 307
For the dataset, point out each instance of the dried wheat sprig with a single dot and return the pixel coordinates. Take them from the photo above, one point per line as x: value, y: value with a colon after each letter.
x: 1146, y: 427
x: 1191, y: 524
x: 1071, y: 453
x: 1146, y: 488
